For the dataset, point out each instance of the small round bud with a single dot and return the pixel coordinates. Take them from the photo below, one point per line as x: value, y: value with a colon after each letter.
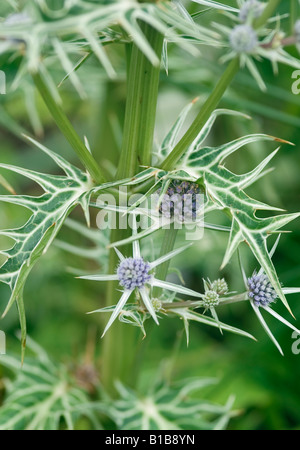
x: 211, y: 299
x: 243, y: 39
x: 219, y: 286
x: 157, y: 304
x: 251, y: 9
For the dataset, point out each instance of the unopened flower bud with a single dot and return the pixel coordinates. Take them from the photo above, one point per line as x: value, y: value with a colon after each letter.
x: 211, y: 299
x: 157, y: 304
x: 219, y: 286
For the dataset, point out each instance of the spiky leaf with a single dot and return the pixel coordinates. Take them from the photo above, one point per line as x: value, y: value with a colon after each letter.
x: 43, y: 396
x: 61, y: 194
x: 226, y: 192
x: 169, y: 408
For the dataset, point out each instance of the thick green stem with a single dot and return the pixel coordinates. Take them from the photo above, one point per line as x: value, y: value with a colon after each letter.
x: 120, y: 342
x: 167, y: 246
x: 140, y: 114
x: 68, y: 130
x: 294, y: 14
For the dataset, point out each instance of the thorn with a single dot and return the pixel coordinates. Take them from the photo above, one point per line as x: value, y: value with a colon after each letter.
x: 283, y: 141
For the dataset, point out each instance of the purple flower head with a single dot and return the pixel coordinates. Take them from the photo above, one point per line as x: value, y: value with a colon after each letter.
x: 133, y: 273
x: 180, y: 201
x: 260, y: 290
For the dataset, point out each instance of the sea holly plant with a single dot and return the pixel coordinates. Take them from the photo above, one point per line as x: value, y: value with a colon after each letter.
x: 160, y: 192
x: 224, y: 191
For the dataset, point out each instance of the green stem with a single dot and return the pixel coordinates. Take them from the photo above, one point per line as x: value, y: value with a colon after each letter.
x: 140, y: 114
x: 167, y: 246
x: 294, y: 14
x: 68, y: 130
x: 267, y: 13
x: 120, y: 343
x: 206, y: 111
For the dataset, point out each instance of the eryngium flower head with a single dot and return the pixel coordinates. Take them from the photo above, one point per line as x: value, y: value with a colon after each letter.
x: 133, y: 273
x: 243, y: 39
x: 219, y: 286
x: 260, y: 290
x: 211, y: 299
x: 251, y: 9
x: 297, y: 31
x: 180, y: 201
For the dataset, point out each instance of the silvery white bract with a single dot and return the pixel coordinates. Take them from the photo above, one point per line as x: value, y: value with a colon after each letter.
x: 135, y: 273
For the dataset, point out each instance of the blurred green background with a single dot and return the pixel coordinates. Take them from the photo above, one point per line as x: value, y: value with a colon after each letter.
x: 266, y: 385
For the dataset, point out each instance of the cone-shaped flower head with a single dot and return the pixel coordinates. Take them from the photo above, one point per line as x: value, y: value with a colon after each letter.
x: 180, y: 201
x: 133, y: 273
x: 260, y: 290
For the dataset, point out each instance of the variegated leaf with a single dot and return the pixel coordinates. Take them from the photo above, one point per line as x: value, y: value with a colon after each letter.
x: 226, y: 192
x: 169, y: 408
x: 61, y: 194
x: 43, y: 395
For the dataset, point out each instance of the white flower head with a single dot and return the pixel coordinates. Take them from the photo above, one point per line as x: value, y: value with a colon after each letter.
x: 251, y: 9
x: 243, y: 39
